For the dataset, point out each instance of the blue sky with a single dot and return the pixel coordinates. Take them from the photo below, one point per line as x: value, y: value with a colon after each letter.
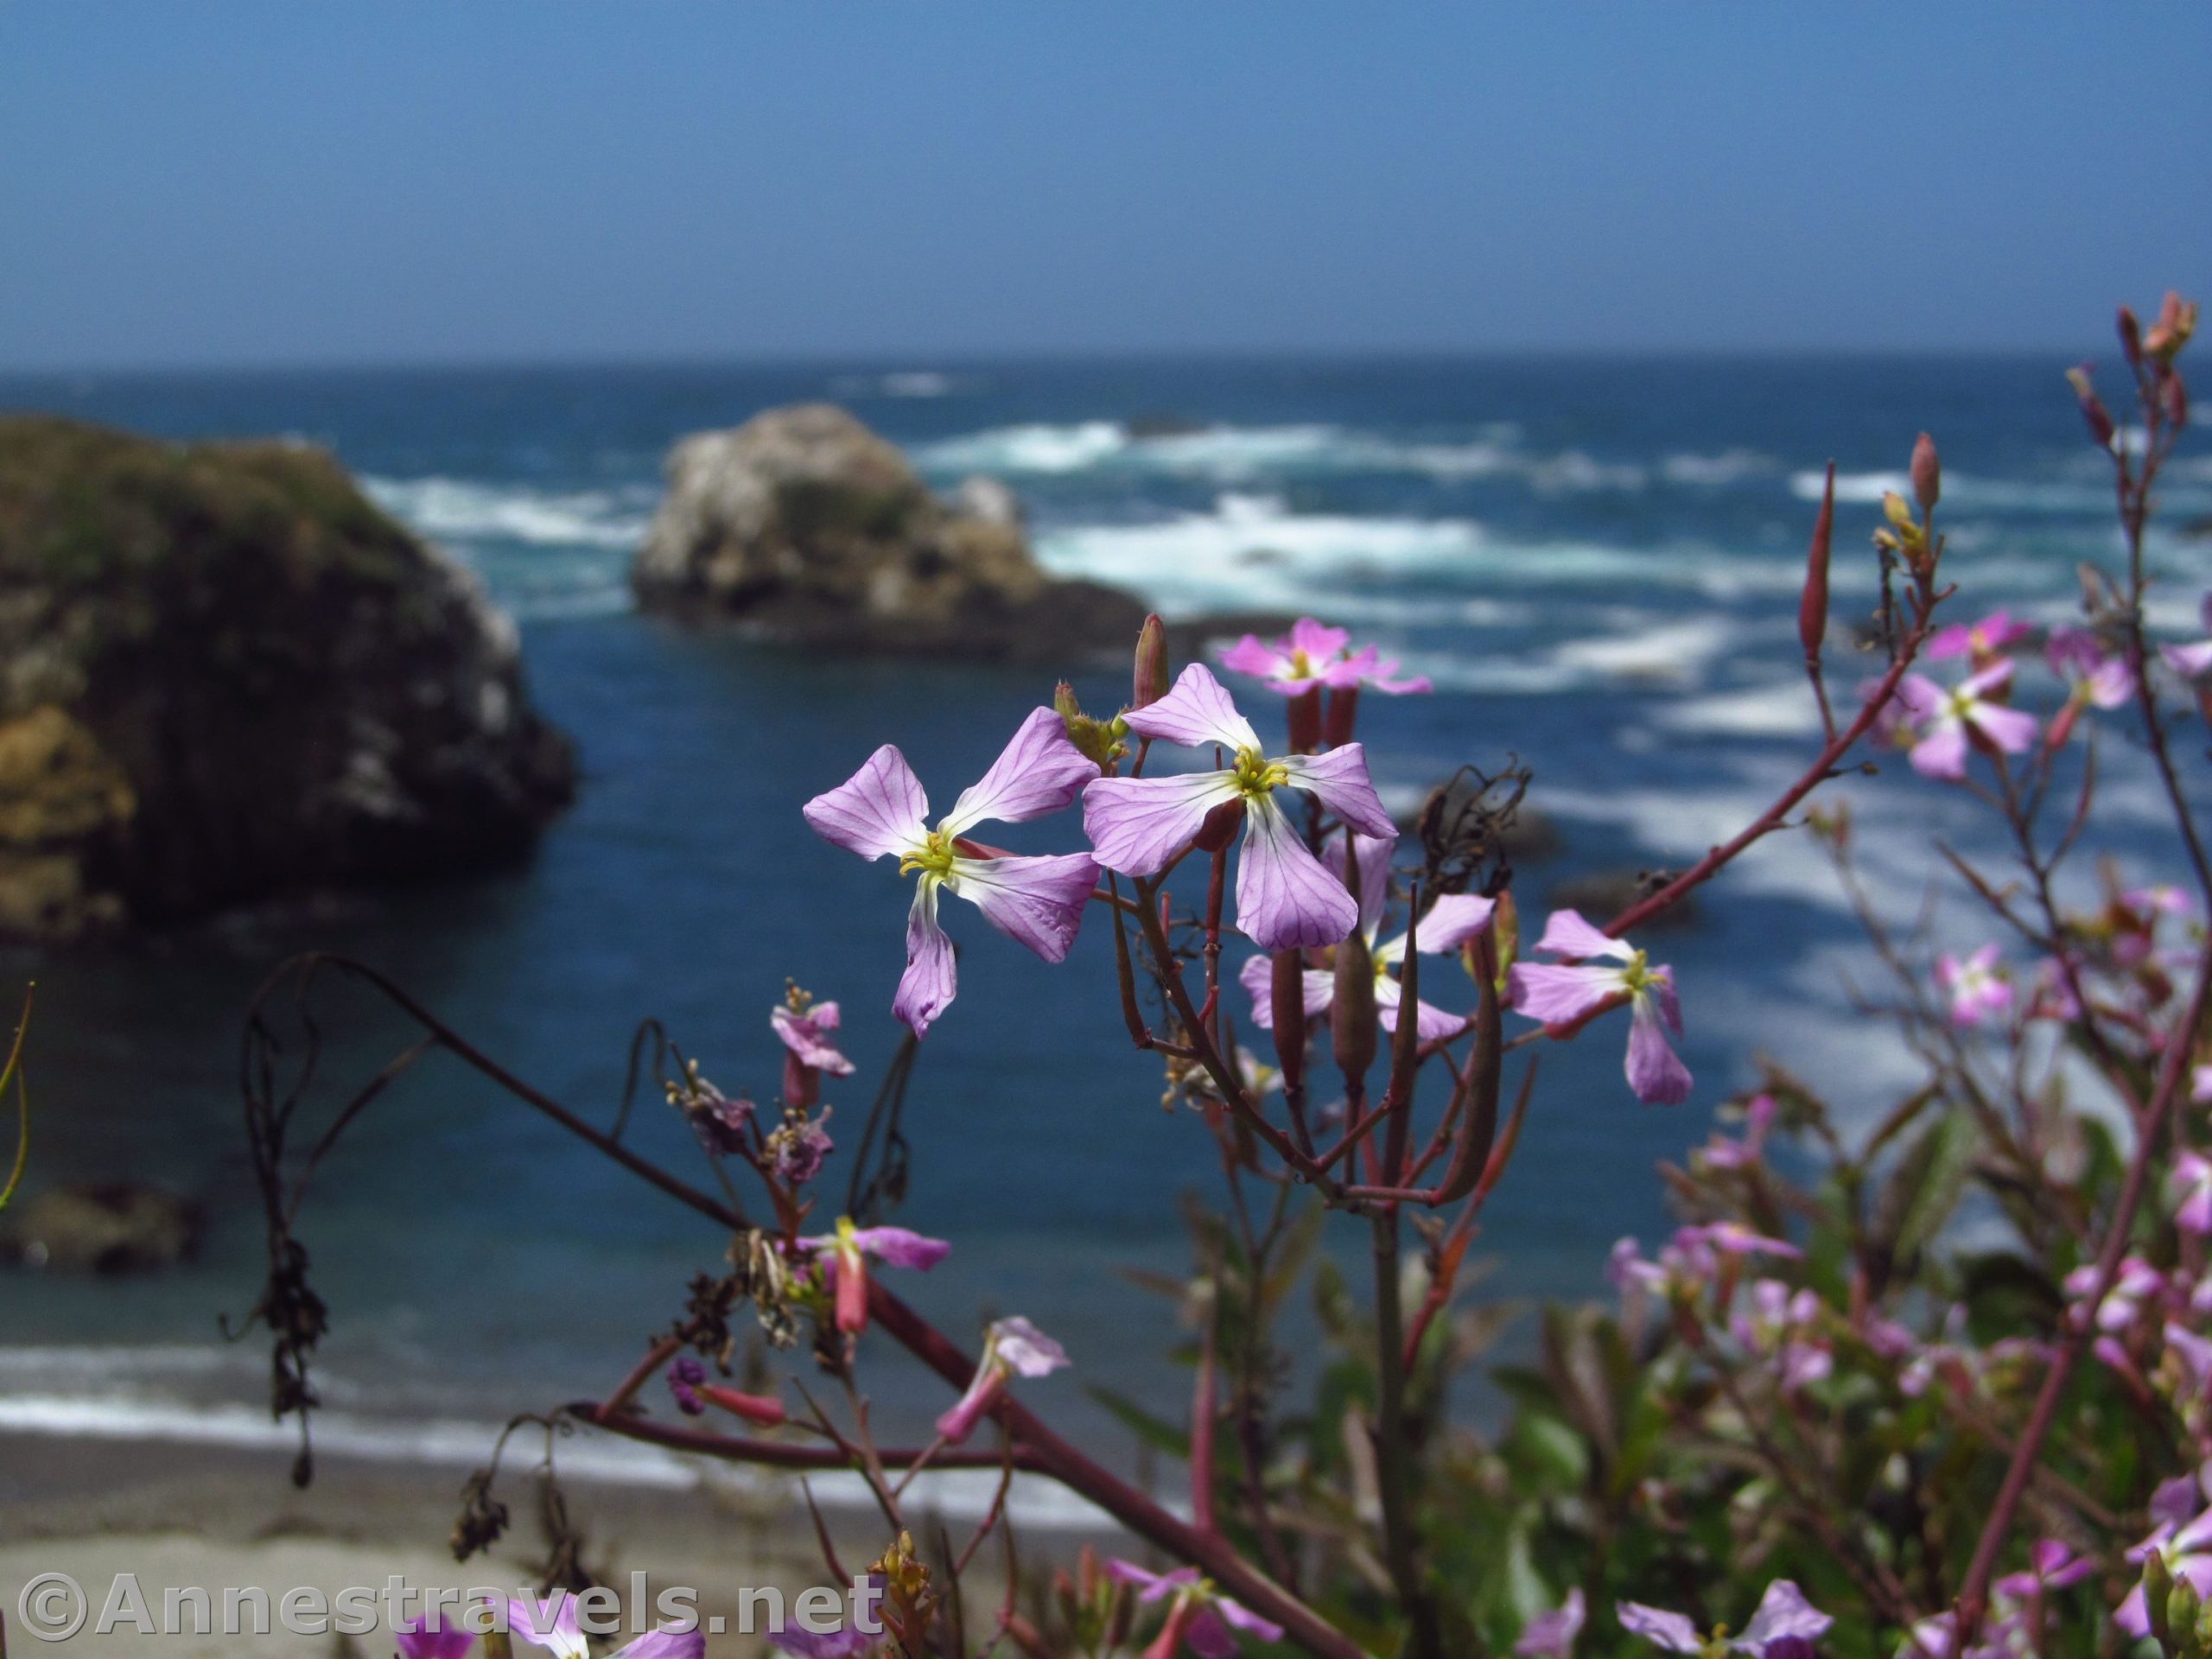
x: 490, y: 179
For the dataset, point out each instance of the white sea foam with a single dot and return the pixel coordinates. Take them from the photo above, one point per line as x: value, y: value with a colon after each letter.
x: 1783, y: 708
x: 1961, y: 490
x: 958, y: 1494
x: 470, y: 510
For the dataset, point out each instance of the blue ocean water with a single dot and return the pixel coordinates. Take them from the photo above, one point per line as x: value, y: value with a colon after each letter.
x: 1597, y: 561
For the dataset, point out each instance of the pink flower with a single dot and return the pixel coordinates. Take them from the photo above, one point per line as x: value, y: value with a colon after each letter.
x: 2052, y: 1566
x: 1285, y: 897
x: 1783, y: 1615
x: 1980, y: 640
x: 806, y: 1030
x: 1445, y: 926
x: 881, y: 810
x: 431, y: 1637
x: 1750, y: 1151
x: 849, y: 1248
x: 1011, y: 1348
x: 2092, y: 677
x: 1568, y: 993
x: 1315, y: 656
x: 2186, y: 1550
x: 2192, y: 1182
x: 1977, y: 990
x: 1198, y: 1616
x: 1938, y: 723
x: 1551, y: 1635
x: 845, y: 1642
x: 552, y: 1624
x: 2193, y: 661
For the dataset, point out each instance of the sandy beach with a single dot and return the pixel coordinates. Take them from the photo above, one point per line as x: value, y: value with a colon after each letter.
x: 180, y: 1516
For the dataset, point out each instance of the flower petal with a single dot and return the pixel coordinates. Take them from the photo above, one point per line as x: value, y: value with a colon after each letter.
x: 1317, y: 639
x: 1258, y: 975
x: 1673, y: 1631
x: 1339, y: 780
x: 1373, y: 853
x: 1656, y: 1072
x: 901, y: 1247
x: 880, y: 808
x: 1038, y: 902
x: 1137, y: 825
x: 1039, y: 772
x: 1285, y: 896
x: 1027, y: 1349
x: 1205, y: 1635
x: 1568, y: 933
x: 926, y: 988
x: 1453, y: 920
x: 666, y: 1644
x: 1197, y: 711
x: 1555, y: 993
x: 1246, y: 1620
x: 1782, y: 1611
x: 1942, y: 752
x: 2013, y: 730
x: 1430, y: 1022
x: 551, y: 1624
x: 1250, y: 655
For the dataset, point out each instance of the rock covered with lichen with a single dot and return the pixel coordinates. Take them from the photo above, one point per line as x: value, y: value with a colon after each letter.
x: 805, y: 527
x: 226, y: 676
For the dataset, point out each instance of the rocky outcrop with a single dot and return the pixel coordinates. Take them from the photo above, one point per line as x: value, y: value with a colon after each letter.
x: 224, y: 677
x: 805, y: 527
x: 106, y: 1226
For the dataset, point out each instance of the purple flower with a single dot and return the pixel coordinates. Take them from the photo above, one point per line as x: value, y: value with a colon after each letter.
x: 2186, y: 1549
x: 551, y: 1624
x: 804, y: 1643
x: 2193, y: 661
x: 805, y: 1027
x: 2192, y: 1179
x: 1938, y: 723
x: 1749, y: 1153
x: 1977, y: 990
x: 1783, y: 1616
x: 431, y: 1637
x: 1566, y: 993
x: 2092, y: 677
x: 1199, y: 1615
x: 1285, y: 897
x: 799, y: 1147
x: 1551, y: 1635
x: 850, y: 1248
x: 1039, y: 902
x: 2052, y: 1566
x: 1314, y: 656
x: 2137, y: 1285
x: 683, y: 1380
x: 1979, y: 640
x: 1011, y: 1348
x: 1445, y: 926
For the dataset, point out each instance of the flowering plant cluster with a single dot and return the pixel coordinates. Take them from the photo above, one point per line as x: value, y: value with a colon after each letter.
x: 1940, y: 1388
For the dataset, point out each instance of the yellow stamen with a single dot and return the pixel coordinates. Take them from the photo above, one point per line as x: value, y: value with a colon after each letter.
x: 933, y: 857
x: 1255, y: 775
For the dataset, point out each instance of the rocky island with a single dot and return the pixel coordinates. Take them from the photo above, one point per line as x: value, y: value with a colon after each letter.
x: 226, y: 676
x: 803, y: 527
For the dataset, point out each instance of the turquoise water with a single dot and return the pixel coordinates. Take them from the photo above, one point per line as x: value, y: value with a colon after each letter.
x: 1597, y: 561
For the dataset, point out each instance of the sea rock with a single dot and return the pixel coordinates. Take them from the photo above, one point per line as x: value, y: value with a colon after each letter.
x: 109, y: 1227
x: 803, y: 527
x: 225, y: 676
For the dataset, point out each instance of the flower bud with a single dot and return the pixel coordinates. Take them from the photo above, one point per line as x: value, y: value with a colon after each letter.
x: 1812, y: 603
x: 2176, y: 322
x: 1352, y: 1022
x: 764, y: 1410
x: 2177, y: 401
x: 1286, y: 1007
x: 2183, y: 1606
x: 1927, y: 474
x: 2092, y: 407
x: 1505, y: 930
x: 2158, y: 1590
x: 2130, y: 337
x: 1219, y: 827
x: 1898, y: 511
x: 1150, y: 682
